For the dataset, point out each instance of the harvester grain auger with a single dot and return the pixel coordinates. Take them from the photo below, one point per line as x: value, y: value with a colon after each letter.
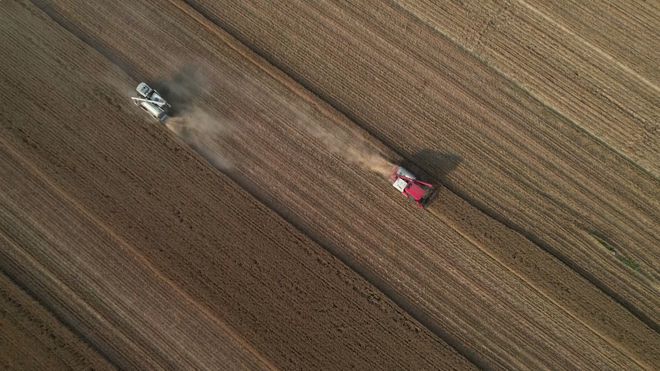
x: 152, y: 102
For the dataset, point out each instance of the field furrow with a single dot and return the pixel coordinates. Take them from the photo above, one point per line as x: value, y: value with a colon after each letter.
x: 520, y: 161
x: 257, y: 227
x: 558, y: 67
x: 31, y: 337
x: 626, y: 31
x: 154, y: 256
x: 297, y: 155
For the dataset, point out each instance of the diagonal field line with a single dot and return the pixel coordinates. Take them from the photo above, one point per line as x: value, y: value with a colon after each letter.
x: 568, y: 312
x: 591, y: 46
x: 325, y: 108
x: 242, y: 343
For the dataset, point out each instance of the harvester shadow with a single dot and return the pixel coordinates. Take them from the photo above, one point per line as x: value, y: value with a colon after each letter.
x: 437, y: 166
x: 183, y: 90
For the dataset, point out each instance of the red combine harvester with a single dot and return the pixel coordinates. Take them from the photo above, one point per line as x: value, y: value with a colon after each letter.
x: 413, y: 189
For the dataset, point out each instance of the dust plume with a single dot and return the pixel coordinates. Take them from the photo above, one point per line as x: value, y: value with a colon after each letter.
x: 184, y: 89
x: 371, y: 161
x: 350, y: 147
x: 201, y: 130
x: 204, y: 133
x: 207, y: 133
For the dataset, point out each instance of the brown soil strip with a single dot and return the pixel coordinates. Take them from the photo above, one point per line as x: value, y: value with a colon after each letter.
x: 101, y: 188
x: 154, y: 323
x: 558, y: 67
x: 31, y: 338
x: 520, y: 161
x: 278, y: 154
x: 625, y: 30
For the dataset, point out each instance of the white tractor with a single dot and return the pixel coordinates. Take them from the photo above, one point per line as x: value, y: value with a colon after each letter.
x: 151, y: 101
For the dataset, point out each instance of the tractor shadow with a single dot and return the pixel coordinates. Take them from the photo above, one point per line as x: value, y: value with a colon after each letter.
x: 183, y: 90
x: 437, y: 166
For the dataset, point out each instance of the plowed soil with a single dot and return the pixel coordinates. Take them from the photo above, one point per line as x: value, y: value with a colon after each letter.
x: 225, y: 283
x: 31, y: 338
x: 260, y: 232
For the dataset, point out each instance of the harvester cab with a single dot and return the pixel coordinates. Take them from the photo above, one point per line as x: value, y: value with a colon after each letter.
x: 406, y: 183
x: 151, y: 102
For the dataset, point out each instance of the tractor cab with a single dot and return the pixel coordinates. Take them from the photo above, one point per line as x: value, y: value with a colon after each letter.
x: 144, y: 90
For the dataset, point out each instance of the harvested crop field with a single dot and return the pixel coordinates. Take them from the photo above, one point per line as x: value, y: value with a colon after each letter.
x: 258, y: 229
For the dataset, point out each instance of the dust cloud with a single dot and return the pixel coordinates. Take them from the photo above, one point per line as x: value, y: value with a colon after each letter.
x: 201, y: 130
x: 204, y: 133
x: 349, y: 146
